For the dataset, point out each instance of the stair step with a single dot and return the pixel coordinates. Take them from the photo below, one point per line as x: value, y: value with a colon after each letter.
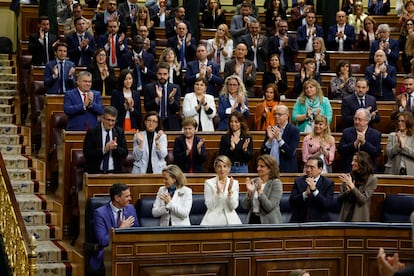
x: 20, y: 174
x: 41, y: 232
x: 54, y: 269
x: 7, y: 129
x: 6, y: 118
x: 6, y: 62
x: 11, y: 149
x: 8, y: 92
x: 32, y: 218
x: 8, y: 77
x: 31, y: 202
x: 7, y: 69
x: 8, y: 99
x: 8, y: 84
x: 23, y: 186
x: 12, y: 139
x: 48, y: 252
x: 15, y: 161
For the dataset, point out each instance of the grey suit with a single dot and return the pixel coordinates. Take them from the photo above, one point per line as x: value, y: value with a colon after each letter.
x: 396, y: 155
x: 237, y: 28
x: 261, y: 52
x: 269, y: 203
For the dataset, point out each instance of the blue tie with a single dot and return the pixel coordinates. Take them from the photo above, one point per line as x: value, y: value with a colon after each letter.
x: 182, y: 54
x: 61, y: 80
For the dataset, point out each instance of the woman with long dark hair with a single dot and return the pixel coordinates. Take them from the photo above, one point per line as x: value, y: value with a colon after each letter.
x: 103, y: 75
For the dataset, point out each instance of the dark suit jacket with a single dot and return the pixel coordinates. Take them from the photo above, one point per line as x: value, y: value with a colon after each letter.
x: 302, y: 36
x: 248, y: 80
x: 104, y: 221
x: 347, y: 149
x: 386, y: 84
x: 170, y: 27
x: 149, y: 62
x: 269, y: 77
x: 172, y: 121
x: 297, y: 16
x: 37, y: 51
x: 213, y: 22
x: 214, y: 82
x: 314, y: 208
x: 392, y: 57
x: 101, y: 26
x: 322, y: 68
x: 97, y: 84
x: 348, y: 43
x: 408, y: 271
x: 262, y: 53
x: 287, y: 152
x: 124, y: 11
x: 51, y: 84
x: 190, y: 50
x: 103, y: 39
x: 93, y: 149
x: 118, y: 100
x: 289, y: 52
x: 77, y: 114
x: 349, y: 106
x: 75, y: 53
x: 379, y: 8
x: 397, y: 105
x: 183, y: 160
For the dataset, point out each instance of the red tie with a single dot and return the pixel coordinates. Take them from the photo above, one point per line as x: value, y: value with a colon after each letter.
x: 113, y: 52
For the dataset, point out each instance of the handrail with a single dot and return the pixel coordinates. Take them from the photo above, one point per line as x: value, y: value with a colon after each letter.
x: 19, y: 247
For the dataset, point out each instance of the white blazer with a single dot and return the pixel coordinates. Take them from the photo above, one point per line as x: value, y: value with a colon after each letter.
x: 157, y: 156
x: 190, y: 102
x: 178, y: 209
x: 228, y: 47
x: 221, y: 208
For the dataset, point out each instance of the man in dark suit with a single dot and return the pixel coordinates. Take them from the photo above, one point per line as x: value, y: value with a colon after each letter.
x: 256, y: 46
x: 387, y: 44
x: 82, y: 105
x: 118, y: 213
x: 115, y: 44
x: 205, y: 69
x: 164, y: 98
x: 341, y: 37
x: 184, y: 45
x: 81, y: 44
x: 100, y: 157
x: 282, y: 140
x: 311, y: 194
x: 381, y: 78
x: 306, y: 33
x: 285, y: 46
x: 41, y: 43
x: 404, y: 102
x: 111, y: 13
x: 298, y: 13
x: 149, y: 45
x: 140, y: 63
x: 243, y: 68
x: 171, y: 25
x: 239, y: 25
x: 59, y: 73
x: 360, y: 137
x: 128, y: 10
x: 351, y: 103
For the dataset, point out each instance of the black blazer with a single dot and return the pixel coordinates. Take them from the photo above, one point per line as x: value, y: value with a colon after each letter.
x: 238, y: 154
x: 269, y: 77
x: 314, y: 208
x: 349, y: 106
x: 184, y: 161
x: 117, y: 101
x: 93, y: 149
x: 322, y: 68
x: 97, y: 83
x: 36, y: 48
x: 289, y: 53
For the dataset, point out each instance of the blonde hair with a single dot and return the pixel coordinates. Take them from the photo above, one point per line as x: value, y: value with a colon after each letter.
x: 148, y: 22
x: 319, y: 92
x: 326, y: 135
x: 322, y: 42
x: 164, y: 53
x: 242, y: 88
x: 175, y: 172
x: 222, y: 158
x: 227, y: 35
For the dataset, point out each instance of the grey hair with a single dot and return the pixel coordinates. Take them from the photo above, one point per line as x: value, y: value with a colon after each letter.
x: 384, y: 27
x: 366, y: 112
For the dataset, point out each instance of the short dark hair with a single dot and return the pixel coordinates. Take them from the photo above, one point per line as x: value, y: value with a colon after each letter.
x: 163, y: 65
x: 77, y: 5
x: 122, y: 76
x: 117, y: 189
x: 318, y: 159
x: 110, y: 110
x: 153, y: 113
x: 43, y: 17
x: 59, y: 44
x: 77, y: 19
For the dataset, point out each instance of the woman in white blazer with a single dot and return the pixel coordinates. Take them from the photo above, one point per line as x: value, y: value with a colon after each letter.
x: 220, y: 48
x: 200, y: 106
x: 221, y: 195
x: 150, y: 146
x: 174, y: 200
x: 400, y: 146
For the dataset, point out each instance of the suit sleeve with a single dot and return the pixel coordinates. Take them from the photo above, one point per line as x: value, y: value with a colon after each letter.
x: 268, y: 203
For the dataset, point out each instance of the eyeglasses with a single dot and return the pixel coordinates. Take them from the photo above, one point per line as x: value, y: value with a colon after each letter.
x: 102, y: 55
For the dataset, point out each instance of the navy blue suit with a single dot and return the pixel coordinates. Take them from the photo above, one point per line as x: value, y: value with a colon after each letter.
x: 52, y: 84
x: 93, y: 149
x: 223, y: 104
x: 171, y: 121
x: 392, y: 56
x: 214, y: 82
x: 149, y: 62
x: 74, y: 51
x: 350, y: 104
x: 184, y: 161
x: 313, y: 208
x: 78, y: 116
x: 118, y: 100
x: 103, y: 222
x: 381, y: 88
x: 347, y: 149
x: 190, y: 50
x: 287, y: 152
x: 101, y: 27
x: 302, y: 36
x: 289, y: 52
x: 103, y: 39
x: 348, y: 42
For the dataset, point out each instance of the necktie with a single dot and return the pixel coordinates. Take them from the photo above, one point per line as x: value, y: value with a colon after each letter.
x: 113, y: 52
x: 105, y: 161
x: 132, y: 7
x: 182, y: 54
x: 361, y: 101
x: 218, y: 56
x: 46, y: 48
x: 163, y: 104
x: 409, y: 102
x: 80, y: 57
x: 61, y: 79
x: 119, y: 218
x: 139, y: 80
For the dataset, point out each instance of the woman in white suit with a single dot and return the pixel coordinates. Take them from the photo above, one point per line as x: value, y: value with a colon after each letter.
x: 221, y: 195
x: 150, y: 146
x: 400, y: 146
x: 174, y: 200
x: 220, y: 48
x: 200, y: 106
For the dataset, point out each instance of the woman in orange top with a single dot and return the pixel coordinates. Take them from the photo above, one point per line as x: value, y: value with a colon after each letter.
x: 264, y: 111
